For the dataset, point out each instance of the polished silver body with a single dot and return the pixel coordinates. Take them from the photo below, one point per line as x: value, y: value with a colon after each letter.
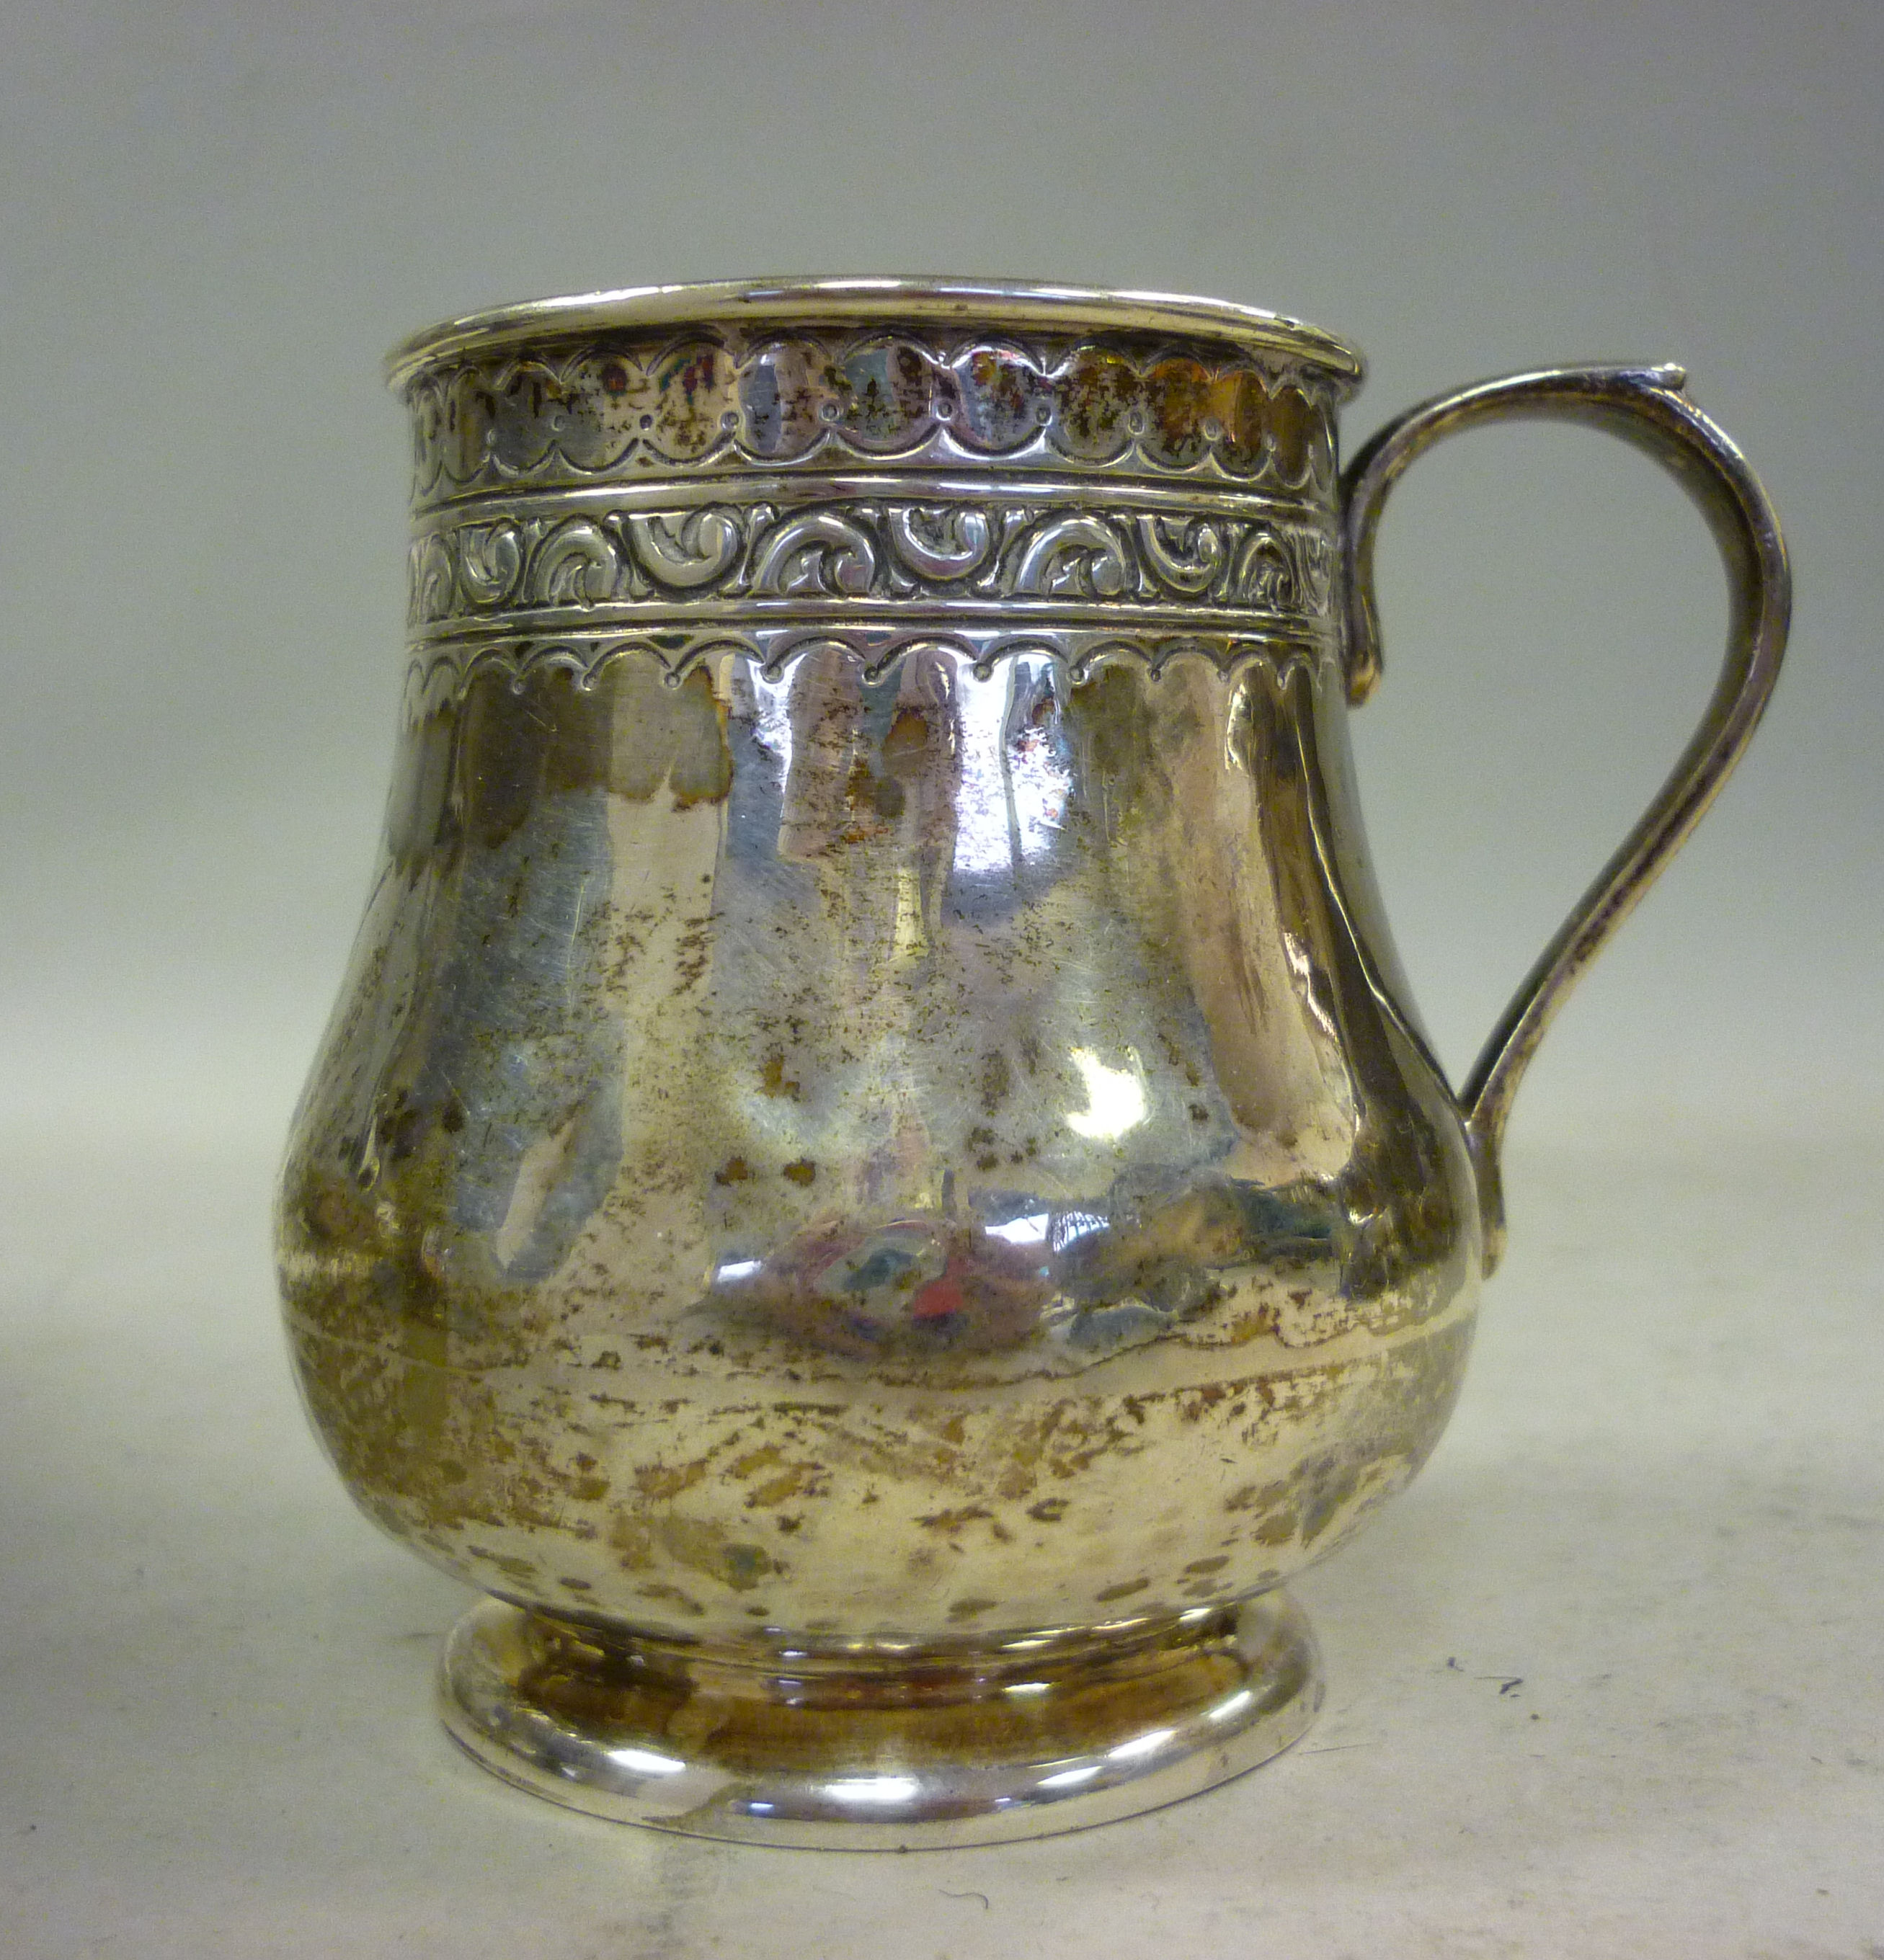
x: 876, y: 1135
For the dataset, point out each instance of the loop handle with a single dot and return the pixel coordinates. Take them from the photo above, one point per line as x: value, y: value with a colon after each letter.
x: 1646, y: 407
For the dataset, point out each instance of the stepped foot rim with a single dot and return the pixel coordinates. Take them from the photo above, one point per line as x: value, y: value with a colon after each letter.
x: 880, y: 1749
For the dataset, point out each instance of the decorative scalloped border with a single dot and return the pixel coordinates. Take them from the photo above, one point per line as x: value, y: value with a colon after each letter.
x: 445, y: 670
x: 708, y: 400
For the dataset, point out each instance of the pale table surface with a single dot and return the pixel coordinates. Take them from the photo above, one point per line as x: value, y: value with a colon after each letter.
x: 1608, y: 1680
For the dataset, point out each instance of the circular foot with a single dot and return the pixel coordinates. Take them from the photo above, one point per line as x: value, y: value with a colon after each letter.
x: 880, y: 1748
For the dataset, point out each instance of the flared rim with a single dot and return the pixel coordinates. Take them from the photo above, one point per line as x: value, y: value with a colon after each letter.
x: 997, y: 304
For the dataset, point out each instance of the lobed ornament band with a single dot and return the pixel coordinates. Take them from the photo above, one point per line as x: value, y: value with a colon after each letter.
x: 722, y: 489
x: 623, y: 406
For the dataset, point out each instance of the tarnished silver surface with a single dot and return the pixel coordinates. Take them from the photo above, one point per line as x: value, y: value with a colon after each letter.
x: 1647, y: 407
x: 875, y: 1117
x: 1017, y: 1740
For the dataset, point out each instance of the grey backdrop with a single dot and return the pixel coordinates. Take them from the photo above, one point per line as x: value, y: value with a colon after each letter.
x: 217, y: 217
x: 214, y: 218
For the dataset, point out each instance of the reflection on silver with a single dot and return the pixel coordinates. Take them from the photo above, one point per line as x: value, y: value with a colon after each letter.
x: 771, y: 698
x: 874, y: 1127
x: 1114, y: 1097
x: 646, y: 1762
x: 1045, y: 1777
x: 872, y: 1789
x: 1029, y: 1231
x: 1069, y: 1779
x: 1147, y: 1745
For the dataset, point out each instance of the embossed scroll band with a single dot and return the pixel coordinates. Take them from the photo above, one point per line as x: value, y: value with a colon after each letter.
x: 756, y: 491
x: 622, y: 564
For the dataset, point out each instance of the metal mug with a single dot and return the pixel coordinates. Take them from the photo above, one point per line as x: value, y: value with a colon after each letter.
x: 876, y: 1179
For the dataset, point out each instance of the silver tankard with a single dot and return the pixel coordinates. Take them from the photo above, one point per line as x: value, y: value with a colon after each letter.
x: 875, y: 1179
